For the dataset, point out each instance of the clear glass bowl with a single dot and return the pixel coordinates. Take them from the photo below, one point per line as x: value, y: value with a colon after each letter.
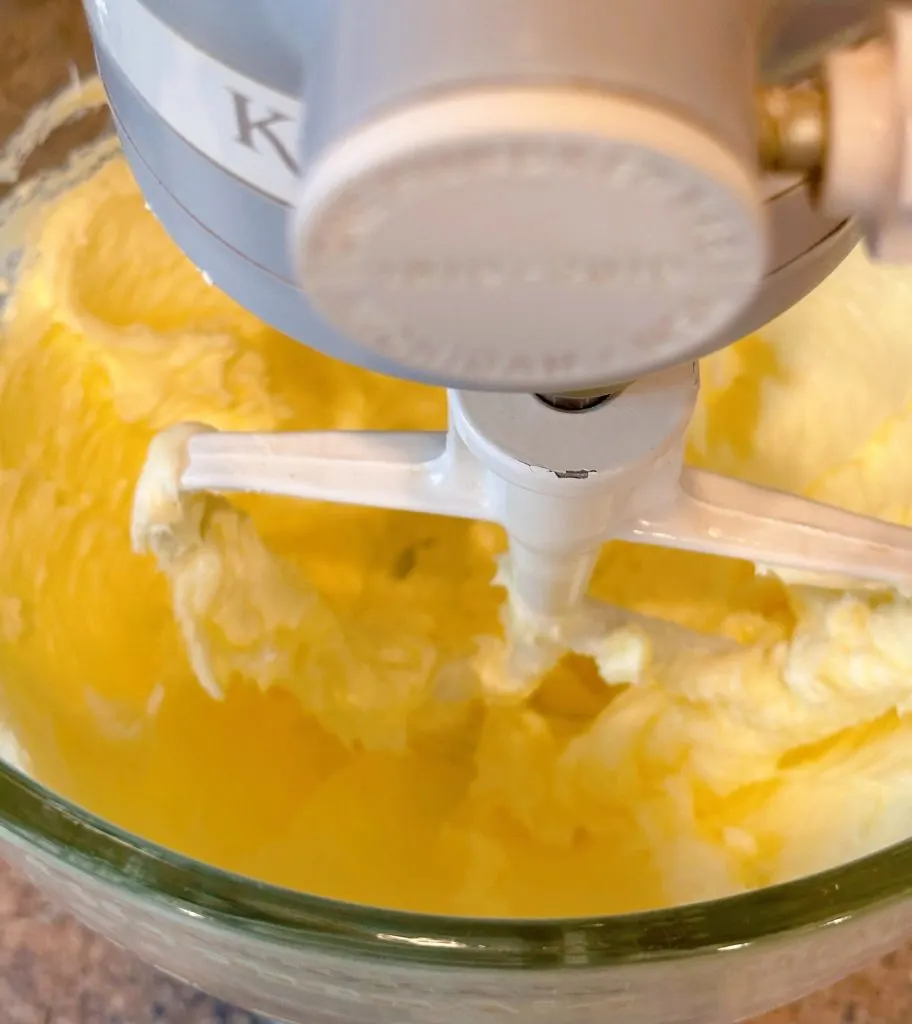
x: 300, y: 958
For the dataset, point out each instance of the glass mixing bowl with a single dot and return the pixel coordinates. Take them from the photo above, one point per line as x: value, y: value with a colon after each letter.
x: 299, y: 958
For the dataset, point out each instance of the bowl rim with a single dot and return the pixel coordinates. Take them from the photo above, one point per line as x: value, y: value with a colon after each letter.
x: 58, y: 830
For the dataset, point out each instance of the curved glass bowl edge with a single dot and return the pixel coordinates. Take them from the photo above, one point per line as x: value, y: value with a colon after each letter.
x: 63, y: 832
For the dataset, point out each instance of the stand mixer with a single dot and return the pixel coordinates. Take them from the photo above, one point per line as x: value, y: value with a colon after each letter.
x: 552, y: 208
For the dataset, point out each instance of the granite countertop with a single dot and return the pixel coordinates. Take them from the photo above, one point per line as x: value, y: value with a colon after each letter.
x: 53, y: 971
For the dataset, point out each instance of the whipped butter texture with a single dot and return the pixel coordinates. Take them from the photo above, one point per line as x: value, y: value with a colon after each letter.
x: 296, y: 691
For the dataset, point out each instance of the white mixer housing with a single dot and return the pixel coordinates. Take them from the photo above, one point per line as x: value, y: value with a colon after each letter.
x: 381, y: 178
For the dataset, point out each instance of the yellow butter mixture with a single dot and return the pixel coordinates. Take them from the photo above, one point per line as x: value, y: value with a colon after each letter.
x: 293, y: 690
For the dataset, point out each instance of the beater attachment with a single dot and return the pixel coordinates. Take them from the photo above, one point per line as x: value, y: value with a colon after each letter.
x: 561, y: 484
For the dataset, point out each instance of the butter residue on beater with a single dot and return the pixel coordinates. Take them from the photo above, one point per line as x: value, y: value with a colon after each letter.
x: 243, y: 612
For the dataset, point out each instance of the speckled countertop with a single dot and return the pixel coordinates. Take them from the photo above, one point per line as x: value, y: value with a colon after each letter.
x: 53, y: 971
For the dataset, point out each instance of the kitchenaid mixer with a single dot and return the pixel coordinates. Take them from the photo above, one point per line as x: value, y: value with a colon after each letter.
x: 579, y: 944
x: 552, y: 210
